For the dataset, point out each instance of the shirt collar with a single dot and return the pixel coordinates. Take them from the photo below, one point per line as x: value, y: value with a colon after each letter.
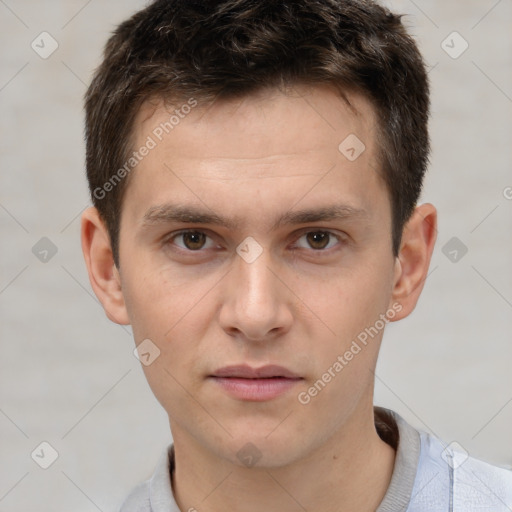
x: 408, y: 444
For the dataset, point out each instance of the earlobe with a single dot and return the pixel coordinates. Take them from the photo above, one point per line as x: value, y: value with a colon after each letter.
x: 103, y: 275
x: 411, y: 267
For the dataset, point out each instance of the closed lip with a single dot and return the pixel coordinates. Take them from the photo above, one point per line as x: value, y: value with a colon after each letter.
x: 248, y: 372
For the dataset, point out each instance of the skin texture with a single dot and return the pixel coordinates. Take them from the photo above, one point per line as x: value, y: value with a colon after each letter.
x: 298, y: 304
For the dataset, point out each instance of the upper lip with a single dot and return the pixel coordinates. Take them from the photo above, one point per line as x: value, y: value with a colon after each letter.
x: 247, y: 372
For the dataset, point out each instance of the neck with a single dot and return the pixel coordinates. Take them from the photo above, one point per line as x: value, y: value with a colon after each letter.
x: 350, y: 471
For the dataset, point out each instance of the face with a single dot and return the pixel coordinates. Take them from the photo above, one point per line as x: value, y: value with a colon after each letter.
x: 252, y: 234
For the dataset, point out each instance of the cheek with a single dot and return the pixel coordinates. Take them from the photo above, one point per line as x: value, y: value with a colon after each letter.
x: 348, y: 330
x: 347, y: 302
x: 176, y: 328
x: 159, y: 300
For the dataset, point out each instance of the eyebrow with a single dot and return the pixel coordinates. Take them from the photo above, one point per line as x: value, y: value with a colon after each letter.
x: 175, y: 213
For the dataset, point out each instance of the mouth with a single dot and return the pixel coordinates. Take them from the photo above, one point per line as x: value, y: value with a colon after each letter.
x: 255, y: 384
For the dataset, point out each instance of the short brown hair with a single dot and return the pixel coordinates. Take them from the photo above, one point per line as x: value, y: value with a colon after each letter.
x: 208, y: 49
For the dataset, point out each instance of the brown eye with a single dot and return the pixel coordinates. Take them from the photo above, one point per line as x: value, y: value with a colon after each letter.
x: 193, y: 240
x: 318, y: 239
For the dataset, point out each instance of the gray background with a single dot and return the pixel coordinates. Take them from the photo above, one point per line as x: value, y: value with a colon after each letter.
x: 68, y: 375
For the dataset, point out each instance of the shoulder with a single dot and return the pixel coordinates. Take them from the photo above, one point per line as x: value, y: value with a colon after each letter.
x: 480, y: 484
x: 155, y: 493
x: 444, y: 476
x: 138, y: 500
x: 473, y: 483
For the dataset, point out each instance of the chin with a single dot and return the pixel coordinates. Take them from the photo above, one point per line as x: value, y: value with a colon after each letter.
x: 246, y: 450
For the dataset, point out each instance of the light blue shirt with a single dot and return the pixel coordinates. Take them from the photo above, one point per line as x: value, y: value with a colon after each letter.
x: 428, y: 476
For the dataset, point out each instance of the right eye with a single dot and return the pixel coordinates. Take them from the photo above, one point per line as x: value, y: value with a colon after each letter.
x: 192, y: 240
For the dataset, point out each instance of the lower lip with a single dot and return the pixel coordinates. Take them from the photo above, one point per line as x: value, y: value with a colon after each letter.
x: 257, y: 390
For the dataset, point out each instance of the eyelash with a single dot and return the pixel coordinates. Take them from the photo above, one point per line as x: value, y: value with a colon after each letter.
x: 316, y: 251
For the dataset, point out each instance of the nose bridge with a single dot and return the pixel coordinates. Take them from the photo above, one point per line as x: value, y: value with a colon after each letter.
x: 254, y: 304
x: 255, y: 287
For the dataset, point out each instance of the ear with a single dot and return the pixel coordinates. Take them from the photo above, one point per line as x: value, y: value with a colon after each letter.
x: 103, y: 274
x: 412, y: 263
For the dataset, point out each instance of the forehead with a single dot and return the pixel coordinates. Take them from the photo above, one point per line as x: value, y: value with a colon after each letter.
x: 302, y: 116
x: 287, y: 141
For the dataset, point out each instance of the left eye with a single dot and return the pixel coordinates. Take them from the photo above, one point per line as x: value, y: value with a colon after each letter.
x: 320, y: 240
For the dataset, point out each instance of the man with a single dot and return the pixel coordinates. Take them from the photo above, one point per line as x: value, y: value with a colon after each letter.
x: 255, y: 168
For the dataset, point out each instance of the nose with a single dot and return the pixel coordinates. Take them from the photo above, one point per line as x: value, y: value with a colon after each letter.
x: 256, y: 303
